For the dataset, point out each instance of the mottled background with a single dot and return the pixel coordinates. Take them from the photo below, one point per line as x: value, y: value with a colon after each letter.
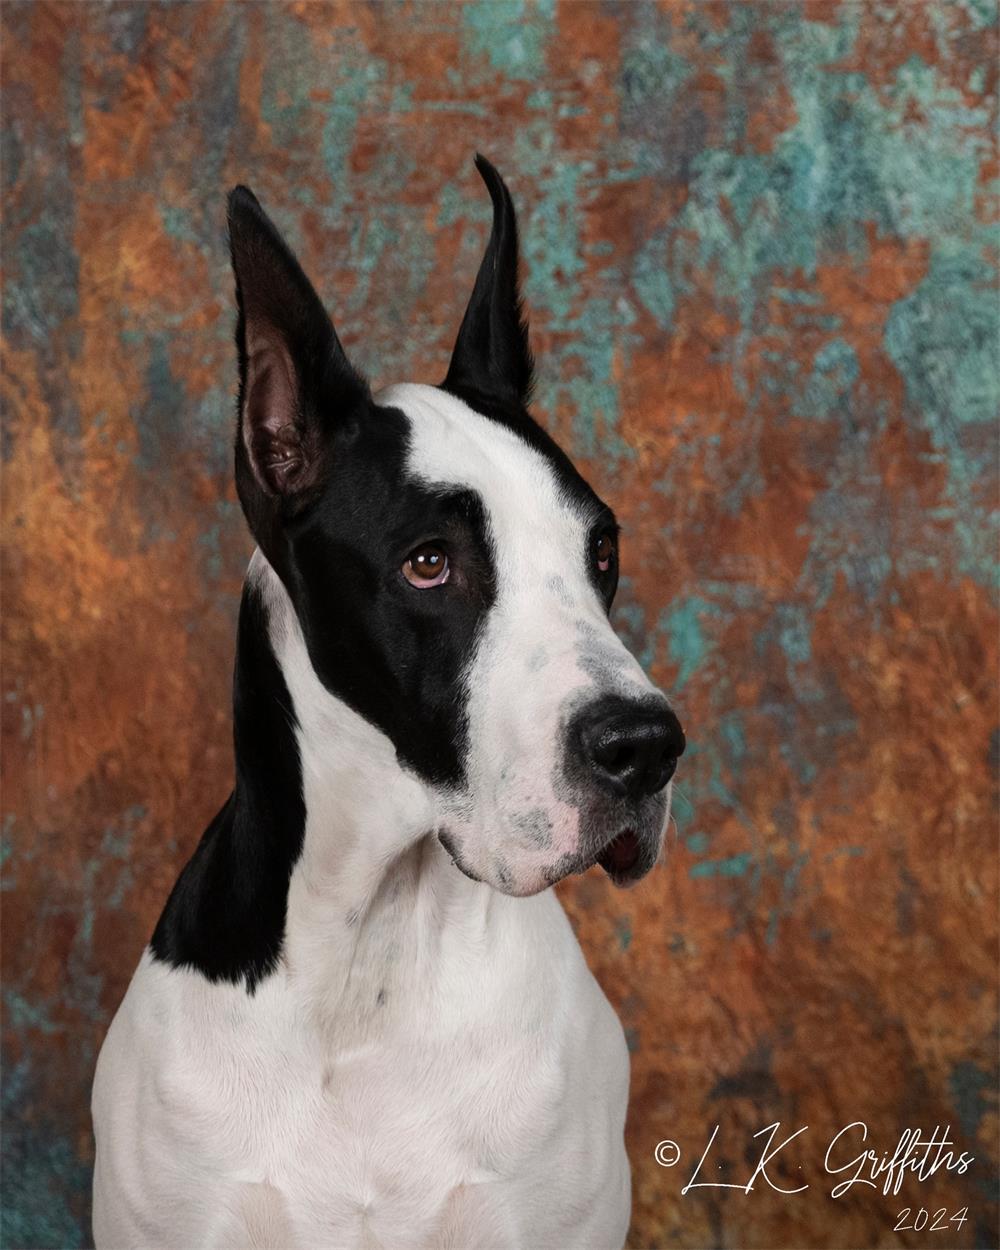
x: 761, y: 267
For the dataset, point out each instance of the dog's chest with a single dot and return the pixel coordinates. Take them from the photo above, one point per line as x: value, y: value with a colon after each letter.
x: 395, y: 1137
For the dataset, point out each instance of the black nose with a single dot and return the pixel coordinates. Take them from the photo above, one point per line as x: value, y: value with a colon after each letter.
x: 632, y: 748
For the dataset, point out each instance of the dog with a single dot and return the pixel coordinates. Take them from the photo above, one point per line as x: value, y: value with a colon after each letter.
x: 363, y: 1019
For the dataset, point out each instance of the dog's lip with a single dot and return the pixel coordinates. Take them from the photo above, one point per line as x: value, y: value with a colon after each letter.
x: 621, y: 854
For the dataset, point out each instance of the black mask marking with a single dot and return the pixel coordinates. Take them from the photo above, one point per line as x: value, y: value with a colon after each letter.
x: 395, y: 654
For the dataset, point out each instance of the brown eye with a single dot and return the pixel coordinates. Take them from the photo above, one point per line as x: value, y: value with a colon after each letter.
x: 426, y: 566
x: 604, y: 552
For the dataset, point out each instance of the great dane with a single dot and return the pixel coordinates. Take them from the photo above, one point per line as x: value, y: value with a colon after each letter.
x: 363, y: 1019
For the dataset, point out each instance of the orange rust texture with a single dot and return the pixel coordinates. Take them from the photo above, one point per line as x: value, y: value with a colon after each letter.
x: 761, y: 275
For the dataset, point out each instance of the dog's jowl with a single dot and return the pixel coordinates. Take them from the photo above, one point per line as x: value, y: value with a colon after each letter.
x: 363, y: 1019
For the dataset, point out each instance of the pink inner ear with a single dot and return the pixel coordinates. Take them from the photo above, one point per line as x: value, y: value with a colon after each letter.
x: 271, y: 432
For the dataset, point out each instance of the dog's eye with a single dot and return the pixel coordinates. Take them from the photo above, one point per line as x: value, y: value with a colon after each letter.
x: 604, y: 552
x: 426, y: 566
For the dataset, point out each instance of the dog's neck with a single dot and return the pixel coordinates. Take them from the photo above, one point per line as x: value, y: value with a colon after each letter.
x: 374, y: 900
x: 323, y: 867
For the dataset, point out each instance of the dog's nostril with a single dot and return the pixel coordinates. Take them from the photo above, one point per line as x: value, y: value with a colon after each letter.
x: 667, y: 769
x: 614, y: 756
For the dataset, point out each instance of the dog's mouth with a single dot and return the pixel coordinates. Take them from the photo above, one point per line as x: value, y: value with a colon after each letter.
x: 620, y: 856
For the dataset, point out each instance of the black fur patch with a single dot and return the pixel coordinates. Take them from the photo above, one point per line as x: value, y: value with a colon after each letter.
x: 395, y: 654
x: 226, y: 914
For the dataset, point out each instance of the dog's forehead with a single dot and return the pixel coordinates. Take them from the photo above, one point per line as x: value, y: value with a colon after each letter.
x: 451, y: 445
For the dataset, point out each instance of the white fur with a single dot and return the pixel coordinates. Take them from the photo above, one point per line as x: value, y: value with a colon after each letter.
x: 527, y: 668
x: 432, y: 1064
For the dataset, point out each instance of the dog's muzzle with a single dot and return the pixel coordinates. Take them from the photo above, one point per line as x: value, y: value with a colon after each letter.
x: 623, y: 752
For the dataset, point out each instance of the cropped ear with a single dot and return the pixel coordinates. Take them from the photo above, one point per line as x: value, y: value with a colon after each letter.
x: 492, y: 358
x: 295, y: 381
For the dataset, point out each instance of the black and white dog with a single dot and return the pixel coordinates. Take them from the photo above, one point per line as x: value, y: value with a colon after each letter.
x: 363, y: 1019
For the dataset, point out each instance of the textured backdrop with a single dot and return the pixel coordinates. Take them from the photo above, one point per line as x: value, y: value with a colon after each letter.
x: 760, y: 261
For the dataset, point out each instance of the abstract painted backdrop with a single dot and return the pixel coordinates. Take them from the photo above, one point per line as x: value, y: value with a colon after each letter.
x: 760, y: 260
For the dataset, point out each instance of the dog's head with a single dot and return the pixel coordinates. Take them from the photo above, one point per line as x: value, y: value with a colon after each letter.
x: 452, y: 573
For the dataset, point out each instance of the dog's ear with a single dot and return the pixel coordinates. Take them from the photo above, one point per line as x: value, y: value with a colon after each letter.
x: 492, y: 358
x: 296, y: 384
